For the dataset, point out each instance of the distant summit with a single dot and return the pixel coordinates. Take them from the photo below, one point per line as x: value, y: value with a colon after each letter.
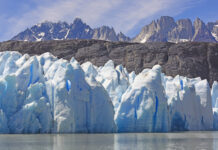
x: 63, y: 31
x: 165, y: 29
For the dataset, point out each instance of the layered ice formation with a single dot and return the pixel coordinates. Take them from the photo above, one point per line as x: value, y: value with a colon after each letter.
x: 115, y: 80
x: 189, y: 102
x: 153, y: 102
x: 43, y: 94
x: 143, y: 106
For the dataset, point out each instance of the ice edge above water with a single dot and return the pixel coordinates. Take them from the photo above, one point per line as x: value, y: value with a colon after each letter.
x: 43, y: 94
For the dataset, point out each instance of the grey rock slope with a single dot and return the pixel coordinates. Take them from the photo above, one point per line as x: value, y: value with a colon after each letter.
x: 213, y: 27
x: 105, y: 33
x: 63, y: 31
x: 166, y: 29
x: 191, y: 59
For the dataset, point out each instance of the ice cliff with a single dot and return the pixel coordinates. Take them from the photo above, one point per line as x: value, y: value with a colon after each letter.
x: 44, y: 94
x: 153, y: 102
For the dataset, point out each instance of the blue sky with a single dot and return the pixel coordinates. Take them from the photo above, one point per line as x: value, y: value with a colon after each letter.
x: 128, y: 16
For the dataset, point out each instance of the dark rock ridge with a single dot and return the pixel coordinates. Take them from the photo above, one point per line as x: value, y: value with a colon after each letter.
x: 63, y: 31
x: 166, y: 29
x: 191, y: 59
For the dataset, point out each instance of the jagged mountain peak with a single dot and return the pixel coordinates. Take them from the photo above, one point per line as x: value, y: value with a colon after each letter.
x: 105, y: 33
x: 62, y: 30
x: 184, y: 21
x: 120, y: 34
x: 202, y: 33
x: 198, y: 22
x: 122, y: 37
x: 78, y: 20
x: 166, y: 29
x: 164, y: 19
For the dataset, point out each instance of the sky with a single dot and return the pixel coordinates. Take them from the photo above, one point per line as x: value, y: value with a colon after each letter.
x: 127, y: 16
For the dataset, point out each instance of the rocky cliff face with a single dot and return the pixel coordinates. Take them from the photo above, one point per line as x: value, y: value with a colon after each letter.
x: 166, y: 29
x: 191, y: 59
x: 121, y: 37
x: 201, y: 32
x: 105, y: 33
x: 182, y: 32
x: 63, y: 31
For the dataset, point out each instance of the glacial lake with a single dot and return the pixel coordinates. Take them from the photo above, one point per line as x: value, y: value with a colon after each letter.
x: 127, y: 141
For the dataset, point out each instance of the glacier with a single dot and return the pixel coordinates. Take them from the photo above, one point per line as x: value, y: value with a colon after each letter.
x: 143, y: 106
x: 44, y: 94
x: 154, y: 102
x: 114, y: 80
x: 214, y: 93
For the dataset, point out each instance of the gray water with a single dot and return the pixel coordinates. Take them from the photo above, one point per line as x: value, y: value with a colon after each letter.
x: 133, y: 141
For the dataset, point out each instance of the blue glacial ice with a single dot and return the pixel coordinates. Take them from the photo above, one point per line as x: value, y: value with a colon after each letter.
x: 143, y: 106
x: 43, y: 94
x: 154, y: 102
x: 114, y: 80
x: 214, y: 93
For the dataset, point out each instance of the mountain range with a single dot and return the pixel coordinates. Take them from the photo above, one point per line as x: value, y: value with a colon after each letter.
x: 165, y: 29
x: 64, y: 31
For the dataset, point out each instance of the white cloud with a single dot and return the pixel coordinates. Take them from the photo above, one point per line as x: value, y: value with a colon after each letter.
x: 123, y: 15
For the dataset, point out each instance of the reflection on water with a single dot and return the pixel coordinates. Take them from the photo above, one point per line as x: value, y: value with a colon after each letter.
x: 145, y: 141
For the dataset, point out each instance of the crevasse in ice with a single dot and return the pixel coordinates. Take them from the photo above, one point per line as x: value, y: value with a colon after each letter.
x: 154, y: 102
x: 43, y: 94
x: 143, y: 106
